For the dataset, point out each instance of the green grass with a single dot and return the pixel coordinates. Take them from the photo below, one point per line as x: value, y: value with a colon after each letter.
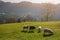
x: 12, y: 31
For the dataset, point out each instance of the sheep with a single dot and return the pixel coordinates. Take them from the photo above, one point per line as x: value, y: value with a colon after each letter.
x: 48, y: 32
x: 31, y: 29
x: 39, y: 29
x: 25, y: 28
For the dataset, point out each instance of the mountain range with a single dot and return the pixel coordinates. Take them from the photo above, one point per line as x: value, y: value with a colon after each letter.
x: 24, y: 8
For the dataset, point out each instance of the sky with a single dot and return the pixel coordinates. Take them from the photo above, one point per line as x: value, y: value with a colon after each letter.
x: 35, y: 1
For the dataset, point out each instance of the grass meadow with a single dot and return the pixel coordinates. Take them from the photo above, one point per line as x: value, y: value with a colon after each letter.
x: 12, y: 31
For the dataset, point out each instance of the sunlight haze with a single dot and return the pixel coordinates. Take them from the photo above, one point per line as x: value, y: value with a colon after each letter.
x: 35, y: 1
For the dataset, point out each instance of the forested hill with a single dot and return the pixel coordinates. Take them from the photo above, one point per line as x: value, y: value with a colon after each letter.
x: 38, y: 11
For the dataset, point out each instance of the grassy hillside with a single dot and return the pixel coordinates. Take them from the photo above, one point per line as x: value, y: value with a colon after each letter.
x: 12, y: 31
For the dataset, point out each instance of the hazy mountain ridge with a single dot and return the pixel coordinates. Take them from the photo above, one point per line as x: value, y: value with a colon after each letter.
x: 27, y: 8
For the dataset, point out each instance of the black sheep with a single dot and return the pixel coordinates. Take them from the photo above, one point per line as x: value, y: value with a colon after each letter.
x: 31, y: 29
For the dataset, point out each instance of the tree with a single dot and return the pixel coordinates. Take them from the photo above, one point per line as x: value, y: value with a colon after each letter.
x: 11, y: 20
x: 47, y: 13
x: 19, y: 20
x: 28, y: 18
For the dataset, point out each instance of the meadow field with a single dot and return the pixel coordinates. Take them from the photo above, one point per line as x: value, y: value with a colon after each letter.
x: 12, y: 31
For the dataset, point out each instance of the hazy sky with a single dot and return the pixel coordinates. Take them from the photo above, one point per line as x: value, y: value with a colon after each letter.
x: 35, y: 1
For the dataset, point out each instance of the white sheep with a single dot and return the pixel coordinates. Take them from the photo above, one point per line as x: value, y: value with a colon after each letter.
x: 49, y: 31
x: 39, y: 29
x: 25, y: 28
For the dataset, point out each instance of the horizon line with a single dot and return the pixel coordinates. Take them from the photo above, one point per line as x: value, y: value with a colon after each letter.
x: 31, y: 2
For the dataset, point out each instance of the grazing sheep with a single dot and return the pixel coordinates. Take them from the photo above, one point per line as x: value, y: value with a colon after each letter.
x: 48, y: 32
x: 25, y: 28
x: 31, y: 29
x: 39, y: 29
